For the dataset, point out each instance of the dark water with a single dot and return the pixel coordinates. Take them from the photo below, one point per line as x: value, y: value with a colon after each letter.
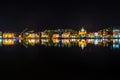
x: 94, y: 61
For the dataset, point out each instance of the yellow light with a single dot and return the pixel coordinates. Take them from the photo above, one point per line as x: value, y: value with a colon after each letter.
x: 55, y: 40
x: 82, y: 42
x: 8, y: 35
x: 8, y: 42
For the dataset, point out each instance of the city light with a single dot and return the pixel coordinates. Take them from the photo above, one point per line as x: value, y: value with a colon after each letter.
x: 8, y: 35
x: 63, y: 37
x: 0, y: 42
x: 8, y: 42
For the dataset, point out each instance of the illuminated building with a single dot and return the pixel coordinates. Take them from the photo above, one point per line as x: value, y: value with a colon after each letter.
x: 66, y: 35
x: 29, y: 34
x: 73, y: 36
x: 90, y: 35
x: 100, y: 33
x: 8, y: 41
x: 33, y: 35
x: 44, y: 35
x: 56, y: 36
x: 105, y: 33
x: 116, y: 33
x: 96, y: 35
x: 20, y: 40
x: 0, y: 34
x: 8, y: 35
x: 82, y: 32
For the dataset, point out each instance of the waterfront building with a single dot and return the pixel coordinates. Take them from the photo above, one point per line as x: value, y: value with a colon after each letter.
x: 96, y: 35
x: 74, y: 36
x: 8, y: 35
x: 90, y: 35
x: 55, y: 36
x: 82, y: 32
x: 0, y: 34
x: 44, y: 35
x: 33, y: 35
x: 100, y: 33
x: 116, y: 33
x: 66, y: 35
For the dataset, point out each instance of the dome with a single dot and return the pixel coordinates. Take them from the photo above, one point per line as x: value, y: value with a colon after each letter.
x: 82, y: 29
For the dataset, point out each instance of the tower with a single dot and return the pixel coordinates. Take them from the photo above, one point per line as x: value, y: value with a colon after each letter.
x: 82, y: 32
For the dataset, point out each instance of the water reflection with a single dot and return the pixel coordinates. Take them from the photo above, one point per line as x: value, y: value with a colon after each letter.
x: 0, y: 42
x: 32, y: 42
x: 116, y: 43
x: 82, y: 43
x: 8, y: 41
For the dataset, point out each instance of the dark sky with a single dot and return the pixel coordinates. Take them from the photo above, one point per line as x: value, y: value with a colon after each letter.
x: 40, y: 15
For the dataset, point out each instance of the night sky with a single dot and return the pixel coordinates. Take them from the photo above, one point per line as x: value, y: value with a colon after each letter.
x: 40, y: 15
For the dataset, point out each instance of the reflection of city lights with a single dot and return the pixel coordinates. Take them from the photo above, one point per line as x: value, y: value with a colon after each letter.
x: 8, y: 41
x: 82, y: 43
x: 19, y: 40
x: 0, y: 36
x: 90, y: 40
x: 15, y: 39
x: 0, y: 42
x: 82, y: 47
x: 115, y: 46
x: 44, y: 41
x: 26, y: 42
x: 73, y: 40
x: 96, y: 42
x: 33, y: 40
x: 115, y: 41
x: 55, y: 40
x: 66, y: 41
x: 119, y: 41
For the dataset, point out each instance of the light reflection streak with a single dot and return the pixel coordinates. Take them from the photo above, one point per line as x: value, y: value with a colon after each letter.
x: 8, y: 41
x: 82, y: 43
